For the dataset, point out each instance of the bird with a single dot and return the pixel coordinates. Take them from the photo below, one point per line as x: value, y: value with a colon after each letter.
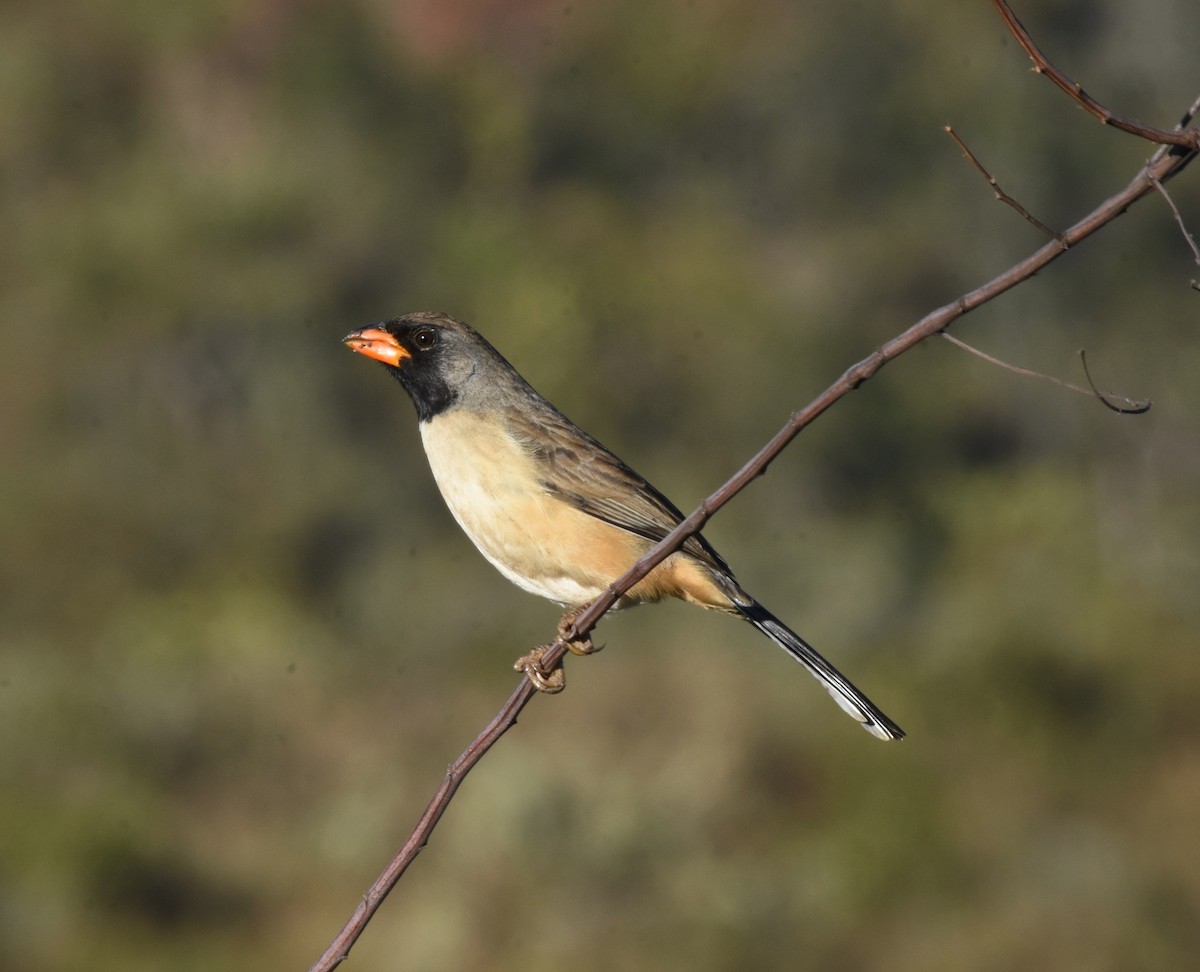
x: 555, y: 511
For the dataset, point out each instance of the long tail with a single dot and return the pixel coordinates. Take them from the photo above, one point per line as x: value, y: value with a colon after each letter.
x: 836, y: 684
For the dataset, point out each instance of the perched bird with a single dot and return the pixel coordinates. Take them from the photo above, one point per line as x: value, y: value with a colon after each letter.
x: 551, y: 508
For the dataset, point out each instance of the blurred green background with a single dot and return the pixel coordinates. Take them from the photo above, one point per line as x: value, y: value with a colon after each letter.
x: 241, y: 637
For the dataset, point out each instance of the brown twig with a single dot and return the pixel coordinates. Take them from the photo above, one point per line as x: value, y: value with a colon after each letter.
x: 1003, y: 196
x: 1163, y: 164
x: 1181, y: 136
x: 504, y: 720
x: 1191, y: 240
x: 1108, y: 399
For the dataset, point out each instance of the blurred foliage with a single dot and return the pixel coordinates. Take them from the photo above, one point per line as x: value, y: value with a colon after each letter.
x: 242, y: 639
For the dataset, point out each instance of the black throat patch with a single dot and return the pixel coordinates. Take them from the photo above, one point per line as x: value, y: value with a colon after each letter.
x: 428, y: 390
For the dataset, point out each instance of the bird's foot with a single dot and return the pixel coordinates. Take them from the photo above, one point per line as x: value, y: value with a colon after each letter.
x: 555, y: 679
x: 552, y: 681
x: 575, y: 645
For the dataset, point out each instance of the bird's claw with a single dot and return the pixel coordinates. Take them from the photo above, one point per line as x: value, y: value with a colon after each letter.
x: 582, y: 646
x: 555, y: 679
x: 550, y: 682
x: 575, y: 645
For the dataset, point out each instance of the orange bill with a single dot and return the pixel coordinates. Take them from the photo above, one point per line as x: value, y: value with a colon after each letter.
x: 376, y: 343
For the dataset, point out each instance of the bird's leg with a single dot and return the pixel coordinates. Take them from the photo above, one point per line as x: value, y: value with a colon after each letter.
x: 577, y: 646
x: 551, y: 681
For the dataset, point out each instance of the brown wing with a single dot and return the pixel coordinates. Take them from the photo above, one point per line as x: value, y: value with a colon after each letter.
x: 579, y: 470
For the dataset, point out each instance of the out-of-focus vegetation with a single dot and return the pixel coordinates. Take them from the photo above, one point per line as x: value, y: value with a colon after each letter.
x: 242, y: 638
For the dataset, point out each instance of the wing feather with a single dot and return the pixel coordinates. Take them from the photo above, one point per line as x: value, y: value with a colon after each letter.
x: 581, y: 471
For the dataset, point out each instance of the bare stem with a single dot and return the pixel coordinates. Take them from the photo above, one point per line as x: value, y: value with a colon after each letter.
x: 1191, y: 240
x: 1181, y: 136
x: 1003, y: 196
x: 1130, y: 407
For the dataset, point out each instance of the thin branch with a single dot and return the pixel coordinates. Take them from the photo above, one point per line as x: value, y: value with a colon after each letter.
x: 505, y: 719
x: 1003, y: 196
x: 1191, y: 240
x: 1108, y: 399
x: 1181, y: 136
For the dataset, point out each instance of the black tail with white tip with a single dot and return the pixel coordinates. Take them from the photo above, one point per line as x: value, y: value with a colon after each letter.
x: 835, y: 683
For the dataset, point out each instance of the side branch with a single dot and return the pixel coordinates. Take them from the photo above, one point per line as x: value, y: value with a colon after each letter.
x: 1003, y: 196
x: 1106, y: 399
x: 1183, y: 137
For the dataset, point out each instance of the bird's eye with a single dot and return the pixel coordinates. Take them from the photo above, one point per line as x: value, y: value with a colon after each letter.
x: 424, y: 338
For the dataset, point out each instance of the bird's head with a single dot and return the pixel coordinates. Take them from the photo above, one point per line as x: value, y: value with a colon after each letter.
x: 439, y: 360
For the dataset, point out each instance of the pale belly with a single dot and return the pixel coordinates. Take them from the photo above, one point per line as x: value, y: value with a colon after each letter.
x: 534, y: 540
